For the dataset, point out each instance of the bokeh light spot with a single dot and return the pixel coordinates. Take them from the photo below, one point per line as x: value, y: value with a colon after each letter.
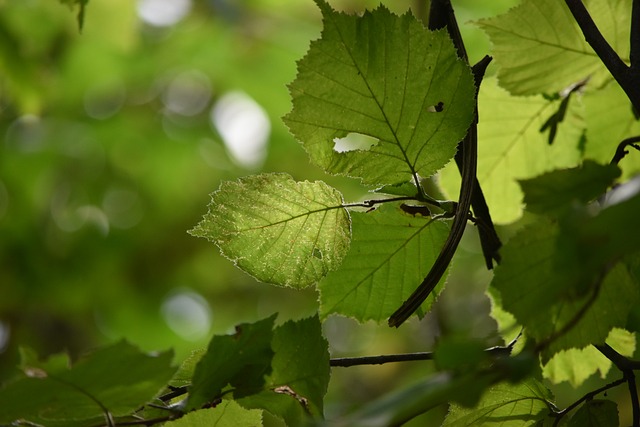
x: 188, y: 93
x: 163, y: 13
x: 188, y: 314
x: 123, y: 207
x: 244, y: 127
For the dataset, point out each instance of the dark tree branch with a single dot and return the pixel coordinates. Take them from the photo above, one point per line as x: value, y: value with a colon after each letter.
x: 441, y: 15
x: 621, y: 150
x: 627, y: 78
x: 586, y: 397
x: 469, y: 149
x: 626, y: 366
x: 344, y: 362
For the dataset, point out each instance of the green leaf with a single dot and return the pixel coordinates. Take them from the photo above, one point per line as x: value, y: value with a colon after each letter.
x: 400, y: 406
x: 558, y: 190
x: 300, y: 373
x: 278, y: 230
x: 241, y: 360
x: 226, y: 414
x: 539, y: 47
x: 610, y: 119
x: 388, y: 78
x: 390, y: 255
x: 596, y: 413
x: 504, y: 405
x: 576, y: 365
x: 459, y: 354
x: 184, y: 375
x: 118, y: 379
x: 511, y: 147
x: 544, y: 286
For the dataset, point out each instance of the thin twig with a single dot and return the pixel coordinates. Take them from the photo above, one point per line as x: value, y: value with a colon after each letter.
x: 626, y: 366
x: 559, y: 414
x: 344, y: 362
x: 371, y: 203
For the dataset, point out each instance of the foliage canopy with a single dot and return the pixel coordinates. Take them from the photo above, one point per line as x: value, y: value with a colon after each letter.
x: 384, y: 99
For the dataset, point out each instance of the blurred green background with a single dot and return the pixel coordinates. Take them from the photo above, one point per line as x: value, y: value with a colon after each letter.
x: 111, y: 141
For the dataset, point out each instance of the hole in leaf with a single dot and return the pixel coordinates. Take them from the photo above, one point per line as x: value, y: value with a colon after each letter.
x: 317, y: 253
x: 437, y: 108
x: 354, y: 142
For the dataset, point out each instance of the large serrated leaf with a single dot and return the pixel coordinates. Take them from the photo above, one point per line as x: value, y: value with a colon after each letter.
x: 539, y: 47
x: 278, y: 230
x: 391, y: 254
x: 386, y: 77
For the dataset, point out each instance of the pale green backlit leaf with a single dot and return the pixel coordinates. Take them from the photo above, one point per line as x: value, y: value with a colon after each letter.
x: 226, y: 414
x: 278, y: 230
x: 610, y: 119
x: 504, y: 405
x: 390, y: 255
x: 388, y: 78
x: 511, y: 146
x: 576, y: 365
x: 539, y: 47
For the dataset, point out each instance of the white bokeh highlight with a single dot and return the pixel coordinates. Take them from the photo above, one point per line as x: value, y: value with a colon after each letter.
x: 244, y: 127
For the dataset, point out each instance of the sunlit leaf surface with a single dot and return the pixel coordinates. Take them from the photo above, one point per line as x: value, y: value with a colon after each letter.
x: 576, y: 365
x: 390, y: 79
x: 511, y: 146
x: 278, y: 230
x: 539, y: 47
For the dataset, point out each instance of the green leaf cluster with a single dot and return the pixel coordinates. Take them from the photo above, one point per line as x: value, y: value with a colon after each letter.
x: 280, y: 369
x: 402, y: 86
x: 380, y: 98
